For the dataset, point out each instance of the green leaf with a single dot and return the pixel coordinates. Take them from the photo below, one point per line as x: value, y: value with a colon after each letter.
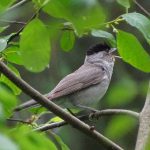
x: 119, y: 126
x: 7, y: 101
x: 40, y: 3
x: 60, y: 142
x: 5, y: 4
x: 7, y: 144
x: 29, y: 140
x: 12, y: 86
x: 132, y: 52
x: 13, y: 55
x: 2, y: 115
x: 3, y: 44
x: 35, y: 46
x: 56, y: 119
x: 83, y: 14
x: 105, y: 35
x: 124, y: 3
x: 139, y: 21
x: 3, y: 28
x: 4, y: 40
x: 118, y: 96
x: 67, y: 40
x: 37, y: 110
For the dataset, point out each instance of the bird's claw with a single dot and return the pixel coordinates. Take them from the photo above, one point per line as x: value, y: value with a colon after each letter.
x: 93, y: 115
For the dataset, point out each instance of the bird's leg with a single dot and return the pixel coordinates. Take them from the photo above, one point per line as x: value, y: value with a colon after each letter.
x: 87, y: 108
x: 92, y: 111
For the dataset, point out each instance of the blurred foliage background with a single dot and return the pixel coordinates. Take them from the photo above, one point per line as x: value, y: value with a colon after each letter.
x: 128, y: 86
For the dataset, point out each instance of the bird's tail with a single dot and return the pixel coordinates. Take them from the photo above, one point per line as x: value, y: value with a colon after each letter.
x: 30, y: 103
x: 26, y: 105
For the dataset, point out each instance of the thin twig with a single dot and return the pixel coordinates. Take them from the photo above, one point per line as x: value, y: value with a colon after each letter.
x: 116, y: 112
x: 21, y: 29
x: 18, y: 120
x: 97, y: 114
x: 12, y: 22
x: 18, y: 5
x: 38, y: 97
x: 58, y: 124
x: 142, y: 8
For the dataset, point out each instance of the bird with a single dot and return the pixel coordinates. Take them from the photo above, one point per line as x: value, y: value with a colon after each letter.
x: 86, y: 86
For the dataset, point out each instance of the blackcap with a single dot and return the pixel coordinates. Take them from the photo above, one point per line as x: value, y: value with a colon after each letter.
x: 86, y: 86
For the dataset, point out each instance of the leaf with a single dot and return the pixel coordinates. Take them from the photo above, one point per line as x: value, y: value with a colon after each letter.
x: 4, y: 40
x: 124, y: 3
x: 7, y: 144
x: 40, y: 3
x: 3, y: 28
x: 28, y: 140
x: 35, y: 46
x: 7, y: 101
x: 2, y: 115
x: 13, y: 55
x: 83, y: 14
x: 56, y: 119
x: 106, y: 35
x: 67, y: 40
x: 60, y: 142
x: 3, y: 44
x: 120, y: 126
x: 37, y: 110
x: 132, y: 52
x: 139, y: 21
x: 12, y: 86
x: 5, y: 4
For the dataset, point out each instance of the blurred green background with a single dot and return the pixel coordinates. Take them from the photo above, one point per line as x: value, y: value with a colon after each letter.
x: 127, y: 89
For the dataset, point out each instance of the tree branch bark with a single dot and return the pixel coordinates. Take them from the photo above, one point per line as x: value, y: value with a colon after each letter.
x: 142, y: 8
x: 18, y: 5
x: 105, y: 112
x: 76, y: 123
x: 144, y: 124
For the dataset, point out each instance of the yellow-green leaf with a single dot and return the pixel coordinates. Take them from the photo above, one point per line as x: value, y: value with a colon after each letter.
x: 132, y: 51
x: 67, y: 40
x: 35, y: 46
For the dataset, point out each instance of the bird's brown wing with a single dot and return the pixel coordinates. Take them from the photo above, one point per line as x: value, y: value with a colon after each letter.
x: 85, y: 76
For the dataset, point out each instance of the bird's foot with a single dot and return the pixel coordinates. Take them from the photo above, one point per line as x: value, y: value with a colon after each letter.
x: 93, y: 115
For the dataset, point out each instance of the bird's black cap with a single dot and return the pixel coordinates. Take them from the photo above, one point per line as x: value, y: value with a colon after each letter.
x: 98, y: 48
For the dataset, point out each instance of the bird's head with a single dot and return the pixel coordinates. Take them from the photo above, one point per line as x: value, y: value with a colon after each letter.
x: 100, y: 52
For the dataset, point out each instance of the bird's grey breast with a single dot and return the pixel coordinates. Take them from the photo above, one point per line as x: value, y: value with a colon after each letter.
x: 91, y: 95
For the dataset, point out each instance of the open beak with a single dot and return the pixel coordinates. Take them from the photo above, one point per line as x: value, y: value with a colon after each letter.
x: 112, y: 50
x: 114, y: 56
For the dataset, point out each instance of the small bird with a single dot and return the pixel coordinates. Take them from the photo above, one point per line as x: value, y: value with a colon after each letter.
x: 87, y: 85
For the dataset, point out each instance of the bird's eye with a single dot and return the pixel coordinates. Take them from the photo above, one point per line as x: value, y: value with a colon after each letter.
x: 103, y: 69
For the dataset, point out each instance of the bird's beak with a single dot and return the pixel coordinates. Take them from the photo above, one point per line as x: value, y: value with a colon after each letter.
x: 112, y: 50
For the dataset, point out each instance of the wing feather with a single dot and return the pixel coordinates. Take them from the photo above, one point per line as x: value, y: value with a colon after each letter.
x: 85, y: 76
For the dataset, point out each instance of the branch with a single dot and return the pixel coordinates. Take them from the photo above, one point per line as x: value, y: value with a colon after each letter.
x: 76, y: 123
x: 142, y: 8
x: 18, y: 120
x: 144, y: 124
x: 97, y: 114
x: 21, y: 29
x: 12, y: 22
x: 18, y: 5
x: 116, y: 112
